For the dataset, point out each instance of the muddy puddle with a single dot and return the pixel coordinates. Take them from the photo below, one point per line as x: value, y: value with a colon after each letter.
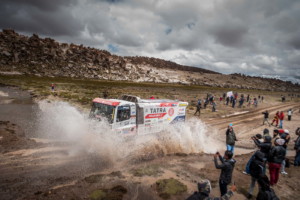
x: 18, y: 107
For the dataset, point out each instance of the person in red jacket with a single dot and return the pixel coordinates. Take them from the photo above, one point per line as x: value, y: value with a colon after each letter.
x: 275, y: 119
x: 281, y: 118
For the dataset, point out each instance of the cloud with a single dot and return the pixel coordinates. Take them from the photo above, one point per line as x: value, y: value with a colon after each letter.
x: 232, y: 36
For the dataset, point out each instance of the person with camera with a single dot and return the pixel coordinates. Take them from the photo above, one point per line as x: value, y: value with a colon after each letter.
x: 264, y: 147
x: 226, y: 166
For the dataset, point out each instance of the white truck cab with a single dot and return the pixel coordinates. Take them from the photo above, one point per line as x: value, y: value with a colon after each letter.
x: 132, y: 115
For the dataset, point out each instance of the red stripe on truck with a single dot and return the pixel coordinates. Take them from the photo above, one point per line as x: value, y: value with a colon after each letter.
x: 157, y: 115
x: 106, y: 101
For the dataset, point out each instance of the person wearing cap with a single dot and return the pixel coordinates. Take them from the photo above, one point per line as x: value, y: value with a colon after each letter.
x: 276, y: 156
x: 230, y: 138
x: 204, y: 189
x: 297, y: 148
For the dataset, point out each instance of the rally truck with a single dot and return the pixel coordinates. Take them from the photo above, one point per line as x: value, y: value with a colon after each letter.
x: 131, y: 115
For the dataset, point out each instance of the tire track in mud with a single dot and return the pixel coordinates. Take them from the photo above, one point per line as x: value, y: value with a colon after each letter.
x: 254, y: 116
x: 249, y: 116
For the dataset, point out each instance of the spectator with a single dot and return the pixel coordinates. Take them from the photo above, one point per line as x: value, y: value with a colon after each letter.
x: 266, y: 132
x: 204, y: 189
x: 198, y: 109
x: 265, y: 191
x: 275, y: 119
x: 297, y: 148
x: 227, y: 101
x: 52, y: 87
x: 266, y: 117
x: 257, y: 168
x: 233, y: 102
x: 105, y: 94
x: 205, y: 103
x: 290, y: 112
x: 275, y: 136
x: 281, y: 118
x: 264, y: 147
x: 286, y: 136
x: 276, y: 156
x: 230, y: 138
x: 226, y: 166
x: 214, y: 105
x: 255, y: 102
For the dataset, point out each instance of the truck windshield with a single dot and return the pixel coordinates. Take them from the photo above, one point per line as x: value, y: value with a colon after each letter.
x: 102, y: 110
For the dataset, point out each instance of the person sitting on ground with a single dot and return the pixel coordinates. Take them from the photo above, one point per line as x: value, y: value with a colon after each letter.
x: 275, y: 158
x: 265, y: 191
x: 257, y: 169
x: 297, y: 148
x: 226, y: 166
x: 204, y: 189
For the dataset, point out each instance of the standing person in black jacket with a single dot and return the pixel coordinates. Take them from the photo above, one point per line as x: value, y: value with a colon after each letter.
x: 276, y: 156
x: 297, y: 148
x: 257, y: 168
x: 226, y: 166
x: 265, y: 191
x: 266, y: 117
x: 264, y: 147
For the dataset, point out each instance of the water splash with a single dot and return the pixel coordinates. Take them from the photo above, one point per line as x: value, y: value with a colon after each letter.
x: 65, y: 123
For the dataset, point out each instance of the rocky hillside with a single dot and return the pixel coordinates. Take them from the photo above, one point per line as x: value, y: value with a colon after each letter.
x: 46, y: 57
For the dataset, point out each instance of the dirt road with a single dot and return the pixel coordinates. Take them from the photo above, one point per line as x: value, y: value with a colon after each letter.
x: 55, y: 169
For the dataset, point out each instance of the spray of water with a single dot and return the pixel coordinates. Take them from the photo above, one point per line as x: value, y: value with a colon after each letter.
x: 63, y: 122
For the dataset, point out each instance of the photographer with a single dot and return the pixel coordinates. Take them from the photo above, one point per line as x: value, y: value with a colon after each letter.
x: 264, y: 147
x: 226, y: 166
x: 257, y: 169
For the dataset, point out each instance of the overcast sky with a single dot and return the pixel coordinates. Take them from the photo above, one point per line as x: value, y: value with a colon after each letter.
x: 227, y: 36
